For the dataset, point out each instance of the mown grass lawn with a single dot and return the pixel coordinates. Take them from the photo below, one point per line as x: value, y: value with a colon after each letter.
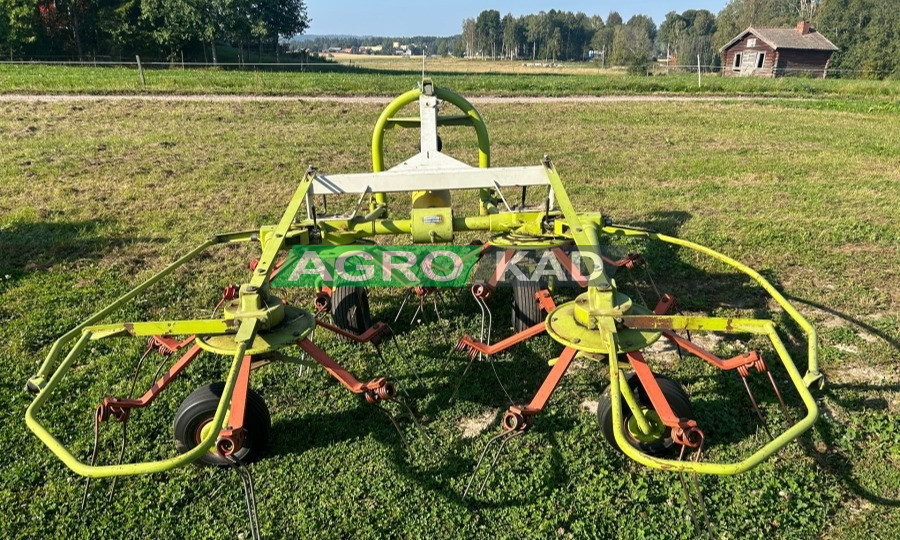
x: 40, y: 79
x: 94, y: 197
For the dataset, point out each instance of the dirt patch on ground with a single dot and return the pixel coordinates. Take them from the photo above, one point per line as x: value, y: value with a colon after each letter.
x: 475, y: 426
x: 866, y: 374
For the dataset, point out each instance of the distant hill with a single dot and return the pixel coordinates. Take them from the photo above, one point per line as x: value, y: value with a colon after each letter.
x: 314, y: 37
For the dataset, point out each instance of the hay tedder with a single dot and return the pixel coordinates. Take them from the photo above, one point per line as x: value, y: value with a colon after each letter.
x: 643, y: 414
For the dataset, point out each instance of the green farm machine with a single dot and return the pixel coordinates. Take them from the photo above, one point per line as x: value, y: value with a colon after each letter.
x: 643, y: 414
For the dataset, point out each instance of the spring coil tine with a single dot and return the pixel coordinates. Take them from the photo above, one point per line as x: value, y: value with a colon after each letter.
x: 249, y: 492
x: 689, y: 499
x: 415, y: 420
x: 112, y: 487
x: 650, y: 277
x: 784, y: 408
x: 402, y: 304
x: 461, y: 377
x: 87, y: 481
x: 406, y: 363
x: 497, y: 376
x: 418, y: 310
x: 487, y: 446
x: 759, y: 413
x: 388, y: 368
x: 396, y: 426
x: 483, y: 320
x: 490, y: 322
x: 496, y: 457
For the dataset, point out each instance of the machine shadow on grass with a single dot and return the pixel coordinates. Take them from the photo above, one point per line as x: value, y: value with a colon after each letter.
x: 722, y: 407
x: 30, y: 247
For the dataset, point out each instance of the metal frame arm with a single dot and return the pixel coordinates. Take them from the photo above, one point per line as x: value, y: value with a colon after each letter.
x: 103, y: 471
x: 813, y: 375
x: 37, y: 382
x: 761, y: 327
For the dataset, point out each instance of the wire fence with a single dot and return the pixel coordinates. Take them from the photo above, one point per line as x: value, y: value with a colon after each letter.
x: 390, y: 63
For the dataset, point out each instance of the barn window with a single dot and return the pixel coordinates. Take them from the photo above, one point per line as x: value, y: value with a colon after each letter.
x: 760, y: 58
x: 751, y: 42
x: 737, y: 61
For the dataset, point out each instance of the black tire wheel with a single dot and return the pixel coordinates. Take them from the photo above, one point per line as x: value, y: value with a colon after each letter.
x: 659, y: 441
x: 350, y: 309
x: 197, y: 411
x: 526, y: 312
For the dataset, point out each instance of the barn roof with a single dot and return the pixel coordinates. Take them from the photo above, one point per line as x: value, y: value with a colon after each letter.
x: 786, y: 38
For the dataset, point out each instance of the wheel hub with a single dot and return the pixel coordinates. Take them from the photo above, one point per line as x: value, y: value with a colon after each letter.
x: 297, y: 324
x: 574, y: 325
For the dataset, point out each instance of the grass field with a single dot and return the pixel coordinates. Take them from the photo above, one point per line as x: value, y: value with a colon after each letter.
x: 94, y: 197
x: 388, y: 82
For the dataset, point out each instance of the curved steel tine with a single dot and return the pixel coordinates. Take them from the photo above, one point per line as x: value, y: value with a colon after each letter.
x: 487, y: 446
x: 408, y: 365
x: 112, y: 488
x: 303, y: 355
x: 461, y: 377
x: 418, y: 309
x: 759, y: 413
x: 402, y: 304
x: 490, y: 322
x: 134, y: 378
x: 388, y: 368
x: 249, y: 493
x: 87, y: 481
x: 437, y: 311
x: 496, y: 457
x: 440, y: 320
x: 396, y: 426
x: 497, y: 376
x: 415, y: 420
x: 784, y: 408
x: 687, y: 496
x: 251, y: 501
x: 481, y: 305
x: 137, y: 368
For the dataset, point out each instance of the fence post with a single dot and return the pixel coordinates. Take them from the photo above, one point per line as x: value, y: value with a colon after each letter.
x: 140, y: 70
x: 698, y: 71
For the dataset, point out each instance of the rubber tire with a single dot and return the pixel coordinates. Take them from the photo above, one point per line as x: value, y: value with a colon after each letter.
x: 350, y: 309
x: 526, y: 312
x: 675, y: 395
x: 201, y: 406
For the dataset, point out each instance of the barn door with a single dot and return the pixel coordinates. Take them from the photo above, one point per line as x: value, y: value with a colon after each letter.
x: 748, y: 63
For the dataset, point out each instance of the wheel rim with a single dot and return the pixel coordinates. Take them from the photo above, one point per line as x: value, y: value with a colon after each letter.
x: 657, y: 428
x: 203, y: 430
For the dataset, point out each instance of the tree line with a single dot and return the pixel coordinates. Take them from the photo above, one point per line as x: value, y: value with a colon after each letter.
x: 866, y: 31
x: 85, y: 29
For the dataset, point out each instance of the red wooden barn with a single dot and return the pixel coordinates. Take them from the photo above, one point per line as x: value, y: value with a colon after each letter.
x: 776, y: 52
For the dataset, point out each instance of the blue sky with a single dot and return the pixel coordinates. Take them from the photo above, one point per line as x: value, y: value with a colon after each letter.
x: 430, y: 18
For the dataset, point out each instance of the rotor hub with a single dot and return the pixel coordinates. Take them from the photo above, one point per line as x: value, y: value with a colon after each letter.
x: 575, y: 324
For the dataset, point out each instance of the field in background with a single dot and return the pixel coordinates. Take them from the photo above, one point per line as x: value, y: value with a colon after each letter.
x: 343, y: 81
x: 94, y: 197
x: 461, y: 65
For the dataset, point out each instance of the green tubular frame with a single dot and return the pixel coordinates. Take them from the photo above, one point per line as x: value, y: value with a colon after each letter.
x: 243, y: 328
x: 761, y: 327
x: 584, y: 229
x: 813, y: 375
x: 94, y: 471
x: 725, y: 325
x: 39, y: 380
x: 88, y: 331
x: 470, y: 117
